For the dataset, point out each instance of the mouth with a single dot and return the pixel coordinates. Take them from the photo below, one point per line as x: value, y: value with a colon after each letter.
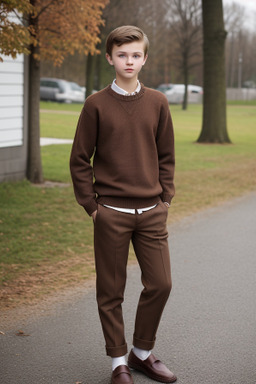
x: 128, y: 70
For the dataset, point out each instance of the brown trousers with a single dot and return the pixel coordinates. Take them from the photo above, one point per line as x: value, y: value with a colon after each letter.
x: 113, y: 232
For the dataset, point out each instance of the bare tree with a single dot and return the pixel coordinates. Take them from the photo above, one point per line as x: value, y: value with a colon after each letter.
x: 186, y: 27
x: 234, y: 17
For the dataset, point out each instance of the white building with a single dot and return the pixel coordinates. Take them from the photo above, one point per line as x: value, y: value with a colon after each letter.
x: 13, y: 117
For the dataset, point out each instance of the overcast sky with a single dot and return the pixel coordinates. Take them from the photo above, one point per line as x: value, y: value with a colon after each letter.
x: 250, y: 6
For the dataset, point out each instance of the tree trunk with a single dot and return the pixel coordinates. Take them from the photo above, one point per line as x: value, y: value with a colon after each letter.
x: 214, y: 129
x: 34, y: 165
x: 185, y: 99
x: 98, y: 77
x: 90, y: 68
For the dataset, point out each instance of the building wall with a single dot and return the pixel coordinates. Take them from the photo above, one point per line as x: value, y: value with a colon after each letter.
x: 13, y: 117
x: 244, y: 94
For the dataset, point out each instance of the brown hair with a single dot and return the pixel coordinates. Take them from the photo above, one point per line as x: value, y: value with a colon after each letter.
x: 126, y: 34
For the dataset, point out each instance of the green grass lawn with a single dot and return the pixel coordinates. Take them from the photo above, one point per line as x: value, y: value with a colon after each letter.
x: 46, y: 238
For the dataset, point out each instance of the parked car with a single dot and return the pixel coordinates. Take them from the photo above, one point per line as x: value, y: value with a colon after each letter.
x: 61, y: 90
x: 175, y: 94
x: 164, y: 87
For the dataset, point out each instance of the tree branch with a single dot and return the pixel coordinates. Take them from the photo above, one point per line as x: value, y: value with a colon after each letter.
x: 45, y: 7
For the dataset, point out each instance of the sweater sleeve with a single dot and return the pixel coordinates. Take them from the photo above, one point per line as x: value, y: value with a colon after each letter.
x: 166, y: 156
x: 80, y: 159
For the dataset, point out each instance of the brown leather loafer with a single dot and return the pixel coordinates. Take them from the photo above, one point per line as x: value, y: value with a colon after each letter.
x: 121, y: 375
x: 152, y: 368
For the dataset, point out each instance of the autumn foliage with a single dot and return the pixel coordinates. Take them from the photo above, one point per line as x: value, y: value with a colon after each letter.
x: 54, y: 27
x: 14, y: 36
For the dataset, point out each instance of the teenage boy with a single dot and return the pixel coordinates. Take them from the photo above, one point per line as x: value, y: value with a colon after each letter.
x: 127, y: 191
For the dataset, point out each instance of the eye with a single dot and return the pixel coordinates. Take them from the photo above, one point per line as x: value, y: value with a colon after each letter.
x: 121, y: 55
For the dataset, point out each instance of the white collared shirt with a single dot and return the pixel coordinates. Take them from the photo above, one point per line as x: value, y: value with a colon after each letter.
x: 121, y: 91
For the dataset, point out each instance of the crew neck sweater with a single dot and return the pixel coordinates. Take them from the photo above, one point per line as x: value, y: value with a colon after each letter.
x: 132, y: 144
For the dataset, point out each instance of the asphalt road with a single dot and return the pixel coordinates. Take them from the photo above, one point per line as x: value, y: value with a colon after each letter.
x: 208, y: 330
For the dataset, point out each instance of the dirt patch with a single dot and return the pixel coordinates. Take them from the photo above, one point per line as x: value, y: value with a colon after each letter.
x: 43, y: 305
x: 45, y: 280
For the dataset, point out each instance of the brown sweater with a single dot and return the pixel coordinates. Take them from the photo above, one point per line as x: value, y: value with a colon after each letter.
x: 132, y: 140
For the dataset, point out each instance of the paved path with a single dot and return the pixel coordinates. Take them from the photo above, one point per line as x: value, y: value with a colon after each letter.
x: 50, y: 141
x: 208, y: 331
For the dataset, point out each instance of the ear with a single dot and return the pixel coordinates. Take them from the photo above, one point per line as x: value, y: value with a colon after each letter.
x: 145, y: 59
x: 109, y: 59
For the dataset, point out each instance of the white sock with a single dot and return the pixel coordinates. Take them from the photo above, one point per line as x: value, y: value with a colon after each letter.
x: 141, y: 353
x: 116, y: 361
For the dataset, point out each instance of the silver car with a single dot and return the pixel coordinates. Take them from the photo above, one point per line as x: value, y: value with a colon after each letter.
x: 175, y: 94
x: 61, y: 90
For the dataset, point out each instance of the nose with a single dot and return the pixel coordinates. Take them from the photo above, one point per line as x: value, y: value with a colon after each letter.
x: 129, y: 60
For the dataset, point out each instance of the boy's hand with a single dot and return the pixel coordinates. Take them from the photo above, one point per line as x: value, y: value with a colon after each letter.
x: 94, y: 214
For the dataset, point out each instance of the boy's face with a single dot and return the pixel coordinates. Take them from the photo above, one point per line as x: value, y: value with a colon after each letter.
x: 127, y: 59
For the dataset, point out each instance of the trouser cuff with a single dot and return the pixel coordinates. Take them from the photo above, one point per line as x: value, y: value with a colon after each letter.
x: 143, y: 344
x: 117, y: 351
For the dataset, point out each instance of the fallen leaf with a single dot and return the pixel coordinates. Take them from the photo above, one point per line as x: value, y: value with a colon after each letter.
x: 21, y: 333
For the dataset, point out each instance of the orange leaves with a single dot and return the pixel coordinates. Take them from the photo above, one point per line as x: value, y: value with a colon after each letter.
x: 14, y: 40
x: 57, y: 27
x: 66, y: 26
x: 14, y: 37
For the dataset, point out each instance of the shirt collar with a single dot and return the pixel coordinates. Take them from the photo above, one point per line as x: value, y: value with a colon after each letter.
x: 121, y: 91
